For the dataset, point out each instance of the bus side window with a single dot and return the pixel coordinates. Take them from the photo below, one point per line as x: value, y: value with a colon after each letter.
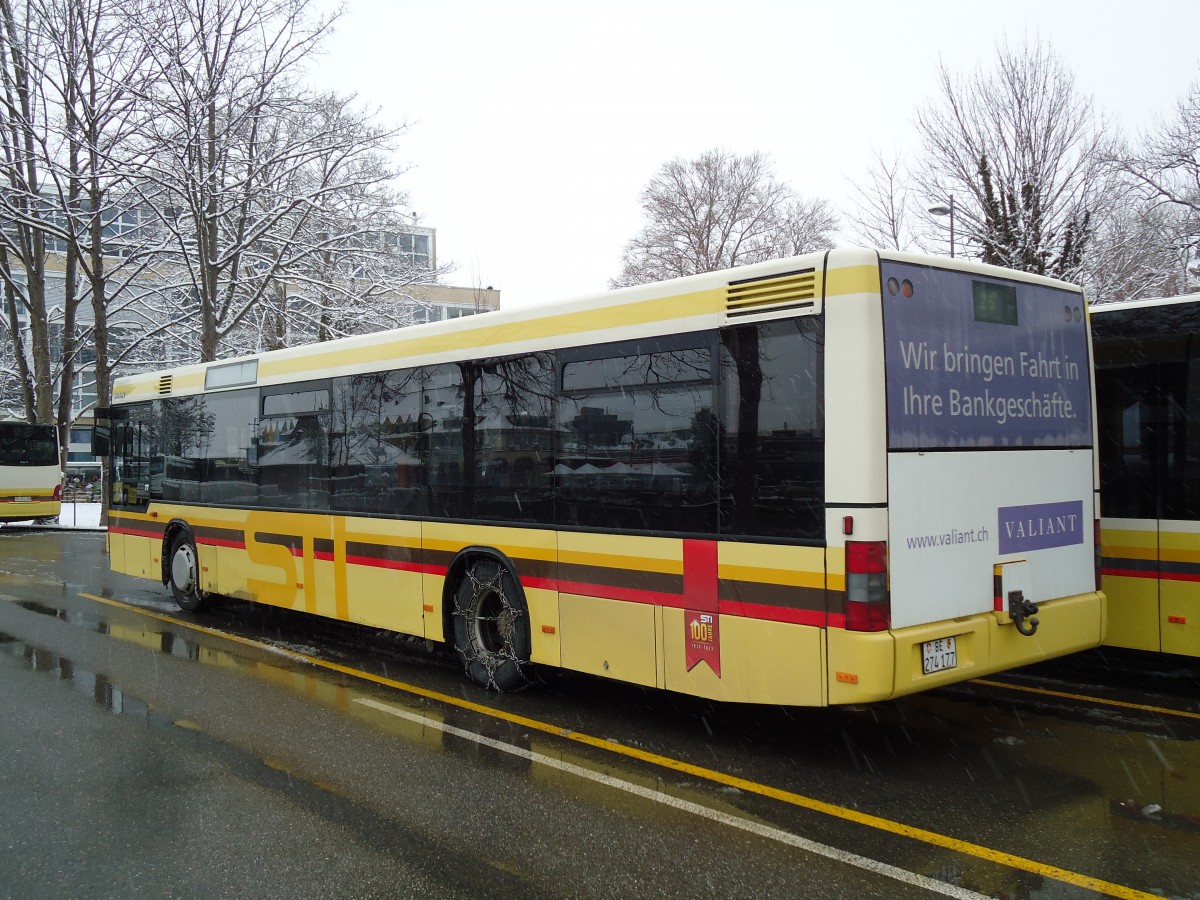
x: 772, y: 429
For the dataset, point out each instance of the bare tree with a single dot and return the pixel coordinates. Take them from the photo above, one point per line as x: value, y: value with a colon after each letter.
x: 1022, y: 152
x: 347, y: 258
x: 1141, y: 248
x: 31, y: 225
x: 98, y: 78
x: 883, y: 215
x: 1167, y: 168
x: 718, y: 211
x: 70, y: 146
x: 245, y: 160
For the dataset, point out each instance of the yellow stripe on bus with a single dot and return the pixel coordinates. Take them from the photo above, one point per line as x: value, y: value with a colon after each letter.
x: 789, y: 578
x: 852, y: 280
x: 607, y: 318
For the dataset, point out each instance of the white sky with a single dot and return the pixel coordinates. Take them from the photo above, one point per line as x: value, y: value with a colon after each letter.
x: 535, y: 124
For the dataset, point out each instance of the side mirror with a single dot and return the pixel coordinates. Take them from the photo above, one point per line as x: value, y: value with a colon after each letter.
x: 102, y: 433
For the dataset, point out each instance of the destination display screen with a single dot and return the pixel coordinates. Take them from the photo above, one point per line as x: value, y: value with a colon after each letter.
x: 994, y: 303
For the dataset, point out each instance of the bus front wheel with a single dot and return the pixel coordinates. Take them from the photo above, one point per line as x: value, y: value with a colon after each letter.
x: 491, y: 627
x: 183, y: 574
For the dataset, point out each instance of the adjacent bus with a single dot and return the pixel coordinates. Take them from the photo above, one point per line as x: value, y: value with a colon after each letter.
x: 1148, y: 395
x: 837, y: 478
x: 30, y: 473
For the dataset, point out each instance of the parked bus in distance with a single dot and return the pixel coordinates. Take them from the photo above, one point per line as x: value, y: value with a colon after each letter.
x: 30, y: 473
x: 836, y: 478
x: 1148, y: 410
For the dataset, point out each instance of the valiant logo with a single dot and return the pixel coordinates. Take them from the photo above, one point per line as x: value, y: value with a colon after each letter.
x: 1040, y: 526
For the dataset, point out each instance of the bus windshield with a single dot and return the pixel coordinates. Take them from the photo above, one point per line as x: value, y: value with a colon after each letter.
x: 1007, y: 367
x: 22, y: 444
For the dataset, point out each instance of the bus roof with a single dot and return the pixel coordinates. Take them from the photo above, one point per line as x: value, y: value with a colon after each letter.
x: 1148, y: 303
x: 752, y: 293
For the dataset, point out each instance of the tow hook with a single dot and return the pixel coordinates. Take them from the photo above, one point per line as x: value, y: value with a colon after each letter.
x: 1021, y: 610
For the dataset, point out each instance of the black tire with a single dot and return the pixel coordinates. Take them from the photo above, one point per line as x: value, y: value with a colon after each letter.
x: 183, y: 574
x: 491, y: 627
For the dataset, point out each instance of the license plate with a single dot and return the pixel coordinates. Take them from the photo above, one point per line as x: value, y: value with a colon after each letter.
x: 22, y: 499
x: 938, y: 655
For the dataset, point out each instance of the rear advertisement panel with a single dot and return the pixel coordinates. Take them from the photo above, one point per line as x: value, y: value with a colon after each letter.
x: 955, y: 515
x: 981, y: 362
x: 990, y: 440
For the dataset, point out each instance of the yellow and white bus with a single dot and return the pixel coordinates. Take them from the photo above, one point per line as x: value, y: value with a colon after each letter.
x: 837, y: 478
x: 1148, y: 395
x: 30, y: 473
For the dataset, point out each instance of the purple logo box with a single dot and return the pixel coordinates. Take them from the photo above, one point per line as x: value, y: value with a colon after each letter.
x: 1041, y: 526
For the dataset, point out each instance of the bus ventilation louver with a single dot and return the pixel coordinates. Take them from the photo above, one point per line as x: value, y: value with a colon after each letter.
x: 774, y: 293
x: 164, y: 384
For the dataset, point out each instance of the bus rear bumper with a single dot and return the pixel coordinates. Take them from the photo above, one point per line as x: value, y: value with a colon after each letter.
x: 983, y: 644
x: 13, y: 511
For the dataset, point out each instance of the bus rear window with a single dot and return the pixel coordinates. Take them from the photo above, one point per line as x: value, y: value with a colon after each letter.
x: 28, y: 445
x: 977, y: 362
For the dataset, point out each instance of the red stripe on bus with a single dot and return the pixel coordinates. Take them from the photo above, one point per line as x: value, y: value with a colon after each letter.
x: 1180, y: 576
x: 700, y: 575
x: 608, y: 592
x: 611, y: 592
x: 777, y: 613
x: 1129, y: 573
x: 1154, y: 576
x: 133, y: 532
x: 378, y: 562
x: 221, y: 542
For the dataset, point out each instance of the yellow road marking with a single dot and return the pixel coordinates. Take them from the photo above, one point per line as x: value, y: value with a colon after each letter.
x: 730, y: 820
x: 879, y: 823
x: 1122, y: 704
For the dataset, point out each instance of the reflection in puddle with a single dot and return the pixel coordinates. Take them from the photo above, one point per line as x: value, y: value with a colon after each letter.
x: 165, y: 642
x: 90, y: 684
x: 63, y: 615
x: 426, y: 726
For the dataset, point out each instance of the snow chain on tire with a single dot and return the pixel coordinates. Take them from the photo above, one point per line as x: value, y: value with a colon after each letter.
x: 491, y: 627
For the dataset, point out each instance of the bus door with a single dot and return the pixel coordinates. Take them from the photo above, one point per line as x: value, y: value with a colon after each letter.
x: 1148, y: 388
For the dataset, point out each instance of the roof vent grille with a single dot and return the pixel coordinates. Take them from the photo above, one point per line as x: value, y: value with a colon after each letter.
x: 164, y: 384
x: 774, y: 293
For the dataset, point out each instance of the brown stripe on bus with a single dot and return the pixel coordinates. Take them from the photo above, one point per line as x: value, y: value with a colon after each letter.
x: 786, y: 595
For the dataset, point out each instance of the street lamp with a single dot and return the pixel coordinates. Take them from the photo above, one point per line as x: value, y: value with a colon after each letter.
x: 942, y: 210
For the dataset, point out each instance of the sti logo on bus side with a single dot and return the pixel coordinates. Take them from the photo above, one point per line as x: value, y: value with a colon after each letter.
x: 1040, y: 526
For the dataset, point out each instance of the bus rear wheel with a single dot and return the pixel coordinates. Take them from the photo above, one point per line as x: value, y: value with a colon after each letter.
x: 183, y: 574
x: 491, y: 627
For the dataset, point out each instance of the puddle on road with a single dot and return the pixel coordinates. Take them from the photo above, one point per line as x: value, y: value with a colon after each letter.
x: 54, y: 612
x: 424, y: 727
x: 290, y: 672
x: 318, y: 798
x: 90, y: 684
x: 1176, y: 803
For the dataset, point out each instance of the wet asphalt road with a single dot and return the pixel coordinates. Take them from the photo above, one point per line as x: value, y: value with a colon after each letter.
x: 147, y: 758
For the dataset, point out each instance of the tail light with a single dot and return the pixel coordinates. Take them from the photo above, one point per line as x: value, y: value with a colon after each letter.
x: 58, y: 492
x: 867, y: 605
x: 1099, y: 559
